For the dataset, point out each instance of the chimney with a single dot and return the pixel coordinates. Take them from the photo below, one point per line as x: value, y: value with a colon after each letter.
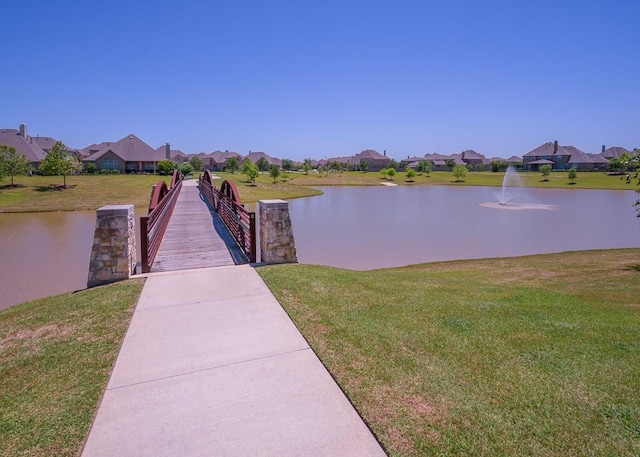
x: 555, y: 146
x: 167, y: 151
x: 603, y: 148
x: 23, y: 130
x: 385, y: 153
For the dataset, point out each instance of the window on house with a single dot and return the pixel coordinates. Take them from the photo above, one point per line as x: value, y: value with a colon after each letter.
x: 110, y: 164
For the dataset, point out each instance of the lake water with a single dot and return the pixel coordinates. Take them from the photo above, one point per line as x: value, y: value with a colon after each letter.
x: 358, y: 228
x: 366, y: 228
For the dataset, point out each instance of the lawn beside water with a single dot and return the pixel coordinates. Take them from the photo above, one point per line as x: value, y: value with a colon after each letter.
x: 90, y: 192
x: 534, y: 355
x: 56, y: 355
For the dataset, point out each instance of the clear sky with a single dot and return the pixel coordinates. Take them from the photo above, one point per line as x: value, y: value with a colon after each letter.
x: 325, y: 78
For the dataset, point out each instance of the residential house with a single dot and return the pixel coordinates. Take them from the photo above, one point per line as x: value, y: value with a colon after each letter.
x: 128, y: 155
x: 216, y: 160
x: 33, y: 148
x: 255, y: 156
x: 614, y: 152
x: 561, y: 158
x: 375, y: 161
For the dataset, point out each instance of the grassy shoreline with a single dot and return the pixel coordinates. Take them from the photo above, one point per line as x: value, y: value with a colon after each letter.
x: 89, y: 192
x: 535, y: 355
x: 56, y: 355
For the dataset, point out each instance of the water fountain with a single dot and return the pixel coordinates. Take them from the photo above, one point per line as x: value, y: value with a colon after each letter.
x: 511, y: 179
x: 512, y: 187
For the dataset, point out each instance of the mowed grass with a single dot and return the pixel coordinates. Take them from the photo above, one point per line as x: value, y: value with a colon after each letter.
x: 88, y: 192
x: 585, y: 180
x: 535, y: 355
x: 56, y: 355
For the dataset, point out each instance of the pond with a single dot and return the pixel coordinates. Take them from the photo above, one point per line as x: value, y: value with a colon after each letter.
x: 365, y: 228
x: 355, y: 227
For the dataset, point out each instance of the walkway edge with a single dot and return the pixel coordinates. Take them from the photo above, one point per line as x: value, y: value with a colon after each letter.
x: 212, y: 365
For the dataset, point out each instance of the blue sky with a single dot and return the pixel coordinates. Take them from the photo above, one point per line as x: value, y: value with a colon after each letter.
x: 326, y: 78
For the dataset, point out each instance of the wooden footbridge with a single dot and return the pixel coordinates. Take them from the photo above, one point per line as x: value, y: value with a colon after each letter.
x: 193, y: 224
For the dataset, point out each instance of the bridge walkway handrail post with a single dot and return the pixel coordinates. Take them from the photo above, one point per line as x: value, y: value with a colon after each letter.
x: 227, y: 203
x: 154, y: 225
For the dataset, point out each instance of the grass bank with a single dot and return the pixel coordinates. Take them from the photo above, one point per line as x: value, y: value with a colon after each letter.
x: 556, y: 180
x: 89, y: 192
x: 535, y: 355
x: 56, y: 355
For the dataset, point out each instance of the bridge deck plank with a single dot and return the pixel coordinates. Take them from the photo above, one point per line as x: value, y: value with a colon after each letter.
x: 191, y: 240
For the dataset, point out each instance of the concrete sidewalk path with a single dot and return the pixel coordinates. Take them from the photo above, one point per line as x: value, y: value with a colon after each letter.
x: 211, y: 365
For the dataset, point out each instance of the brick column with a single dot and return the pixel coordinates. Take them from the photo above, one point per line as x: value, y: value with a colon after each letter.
x: 276, y: 234
x: 113, y: 255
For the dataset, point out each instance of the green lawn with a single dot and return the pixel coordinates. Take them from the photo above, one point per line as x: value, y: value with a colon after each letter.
x: 584, y: 180
x: 535, y: 355
x: 56, y: 355
x: 89, y: 192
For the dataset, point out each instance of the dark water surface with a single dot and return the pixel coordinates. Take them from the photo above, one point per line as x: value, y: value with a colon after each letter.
x: 354, y: 227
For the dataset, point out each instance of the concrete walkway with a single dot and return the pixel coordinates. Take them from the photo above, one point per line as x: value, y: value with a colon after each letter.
x: 212, y: 366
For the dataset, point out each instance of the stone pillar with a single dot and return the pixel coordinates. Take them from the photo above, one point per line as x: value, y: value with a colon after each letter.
x: 113, y: 255
x: 276, y: 234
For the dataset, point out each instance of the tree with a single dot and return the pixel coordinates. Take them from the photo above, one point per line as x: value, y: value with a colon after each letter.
x: 391, y: 172
x: 450, y: 163
x: 287, y: 165
x: 545, y: 170
x: 186, y: 169
x: 166, y: 167
x: 196, y: 164
x: 12, y: 162
x: 274, y: 173
x: 263, y: 164
x: 59, y: 162
x: 384, y: 172
x: 393, y: 164
x: 424, y: 166
x: 411, y: 173
x: 306, y: 167
x: 251, y: 170
x: 459, y: 172
x: 232, y: 164
x: 572, y: 175
x: 364, y: 165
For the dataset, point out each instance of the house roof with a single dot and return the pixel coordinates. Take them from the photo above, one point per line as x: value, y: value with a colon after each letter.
x: 369, y: 154
x: 514, y: 159
x: 470, y: 154
x: 614, y: 152
x: 578, y: 156
x: 130, y: 149
x: 222, y: 156
x: 27, y: 146
x: 255, y: 156
x: 546, y: 149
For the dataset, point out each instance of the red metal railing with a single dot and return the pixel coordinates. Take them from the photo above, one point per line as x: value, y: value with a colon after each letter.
x: 153, y: 226
x: 240, y: 222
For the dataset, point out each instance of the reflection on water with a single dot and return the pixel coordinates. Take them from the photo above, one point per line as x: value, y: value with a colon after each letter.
x: 357, y: 227
x: 44, y: 254
x: 366, y: 228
